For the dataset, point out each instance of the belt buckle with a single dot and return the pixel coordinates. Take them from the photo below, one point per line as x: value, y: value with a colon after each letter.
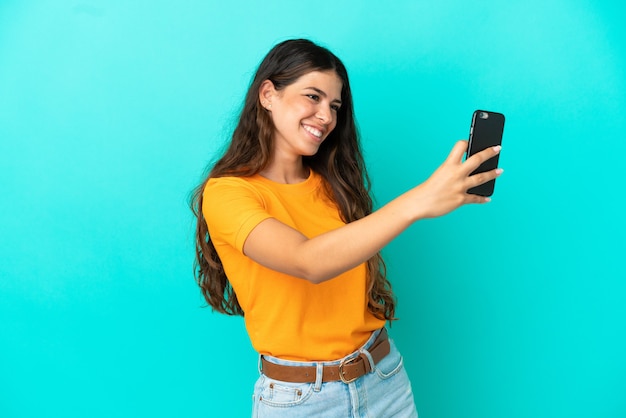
x: 343, y: 363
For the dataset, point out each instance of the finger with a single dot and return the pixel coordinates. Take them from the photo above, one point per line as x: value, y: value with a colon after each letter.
x: 473, y: 162
x: 481, y: 178
x: 457, y: 153
x: 476, y: 199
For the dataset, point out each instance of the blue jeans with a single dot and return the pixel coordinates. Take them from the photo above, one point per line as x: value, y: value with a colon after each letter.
x: 384, y: 392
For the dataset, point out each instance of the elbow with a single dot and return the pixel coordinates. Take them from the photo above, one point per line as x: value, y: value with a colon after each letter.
x: 311, y: 265
x: 317, y: 279
x: 314, y: 274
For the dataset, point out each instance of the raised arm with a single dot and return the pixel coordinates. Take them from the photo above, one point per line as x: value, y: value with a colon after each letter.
x: 284, y: 249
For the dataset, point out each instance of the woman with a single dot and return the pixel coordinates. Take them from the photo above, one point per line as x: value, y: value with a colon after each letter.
x: 287, y: 238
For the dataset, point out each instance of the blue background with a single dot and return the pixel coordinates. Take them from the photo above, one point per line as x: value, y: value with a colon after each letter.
x: 111, y: 110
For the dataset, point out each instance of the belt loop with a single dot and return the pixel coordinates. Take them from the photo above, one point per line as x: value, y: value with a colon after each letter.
x: 319, y: 374
x: 370, y: 360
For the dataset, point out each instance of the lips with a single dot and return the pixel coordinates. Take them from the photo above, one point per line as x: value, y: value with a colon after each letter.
x: 313, y: 131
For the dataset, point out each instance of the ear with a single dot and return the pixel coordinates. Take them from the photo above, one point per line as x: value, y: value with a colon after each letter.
x: 267, y: 92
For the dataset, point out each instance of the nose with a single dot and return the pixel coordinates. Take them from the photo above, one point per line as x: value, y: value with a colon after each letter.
x: 324, y: 114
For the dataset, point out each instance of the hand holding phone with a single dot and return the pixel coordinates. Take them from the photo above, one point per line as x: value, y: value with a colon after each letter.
x: 486, y: 131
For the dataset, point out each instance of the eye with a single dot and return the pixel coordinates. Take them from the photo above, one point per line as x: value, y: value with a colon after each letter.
x: 313, y: 97
x: 335, y: 107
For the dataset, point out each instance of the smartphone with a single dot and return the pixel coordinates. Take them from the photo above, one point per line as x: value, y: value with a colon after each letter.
x: 486, y: 131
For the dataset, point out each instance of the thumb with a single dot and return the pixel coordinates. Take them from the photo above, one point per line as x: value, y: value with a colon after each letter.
x: 456, y: 155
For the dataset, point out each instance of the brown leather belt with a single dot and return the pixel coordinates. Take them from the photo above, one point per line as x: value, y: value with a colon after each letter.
x: 348, y: 371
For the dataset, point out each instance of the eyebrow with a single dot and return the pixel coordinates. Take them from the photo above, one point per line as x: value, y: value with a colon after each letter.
x: 323, y: 94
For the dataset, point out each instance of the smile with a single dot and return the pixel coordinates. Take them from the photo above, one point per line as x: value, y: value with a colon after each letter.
x: 313, y: 131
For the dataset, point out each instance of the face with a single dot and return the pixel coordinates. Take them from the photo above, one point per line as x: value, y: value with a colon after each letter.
x: 304, y: 113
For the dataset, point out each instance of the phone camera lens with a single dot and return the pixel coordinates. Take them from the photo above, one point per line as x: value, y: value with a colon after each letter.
x: 483, y: 115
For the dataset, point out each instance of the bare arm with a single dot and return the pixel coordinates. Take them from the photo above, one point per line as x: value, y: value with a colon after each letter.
x: 282, y: 248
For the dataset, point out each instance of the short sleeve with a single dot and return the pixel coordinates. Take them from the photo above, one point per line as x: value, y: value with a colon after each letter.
x: 232, y: 208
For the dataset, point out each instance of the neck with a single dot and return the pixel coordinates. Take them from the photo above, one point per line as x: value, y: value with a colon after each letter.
x: 286, y: 173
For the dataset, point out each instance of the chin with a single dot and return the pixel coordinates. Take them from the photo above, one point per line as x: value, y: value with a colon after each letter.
x: 311, y: 151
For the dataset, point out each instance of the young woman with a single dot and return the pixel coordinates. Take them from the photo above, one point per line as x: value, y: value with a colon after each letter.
x: 287, y: 237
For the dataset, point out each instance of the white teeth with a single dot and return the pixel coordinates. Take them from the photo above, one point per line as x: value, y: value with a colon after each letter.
x: 312, y: 130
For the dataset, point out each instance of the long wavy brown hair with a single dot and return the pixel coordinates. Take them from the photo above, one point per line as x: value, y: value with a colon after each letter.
x: 339, y: 161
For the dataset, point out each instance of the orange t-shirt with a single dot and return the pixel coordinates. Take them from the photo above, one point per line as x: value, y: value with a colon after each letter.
x: 286, y: 316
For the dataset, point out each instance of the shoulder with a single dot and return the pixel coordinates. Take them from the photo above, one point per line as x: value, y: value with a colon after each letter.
x: 219, y: 186
x: 233, y: 196
x: 230, y: 196
x: 227, y: 182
